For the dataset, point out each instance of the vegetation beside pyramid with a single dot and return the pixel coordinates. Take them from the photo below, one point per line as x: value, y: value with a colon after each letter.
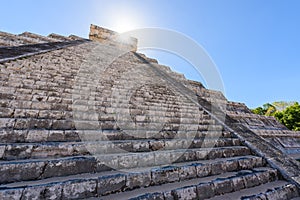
x: 287, y: 113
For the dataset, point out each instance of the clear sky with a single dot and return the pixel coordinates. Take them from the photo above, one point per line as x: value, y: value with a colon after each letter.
x: 254, y: 43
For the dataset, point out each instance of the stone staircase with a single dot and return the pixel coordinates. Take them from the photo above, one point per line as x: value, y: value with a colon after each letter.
x: 91, y: 121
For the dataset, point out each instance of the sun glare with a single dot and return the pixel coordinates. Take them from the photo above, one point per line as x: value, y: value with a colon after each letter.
x: 125, y: 19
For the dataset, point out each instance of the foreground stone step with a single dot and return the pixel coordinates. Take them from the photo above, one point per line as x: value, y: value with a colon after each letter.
x: 17, y: 151
x: 114, y: 181
x: 278, y: 190
x: 32, y: 169
x: 24, y: 136
x: 202, y: 188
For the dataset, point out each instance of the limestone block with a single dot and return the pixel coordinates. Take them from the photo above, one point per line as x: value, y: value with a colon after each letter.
x: 238, y: 183
x: 150, y: 196
x: 79, y: 189
x: 2, y: 151
x: 70, y: 166
x: 162, y: 157
x: 138, y: 179
x: 186, y: 193
x: 7, y: 123
x: 33, y: 193
x: 63, y: 124
x: 140, y: 146
x: 223, y: 186
x: 18, y: 151
x: 245, y: 164
x: 251, y: 180
x: 205, y: 190
x: 168, y: 195
x: 230, y: 165
x: 20, y: 171
x: 145, y: 160
x: 128, y: 161
x: 217, y: 168
x: 53, y: 192
x: 9, y: 194
x: 187, y: 172
x: 203, y: 170
x: 111, y: 183
x: 39, y: 123
x: 165, y: 174
x: 156, y: 145
x: 201, y: 154
x: 56, y: 136
x: 37, y: 135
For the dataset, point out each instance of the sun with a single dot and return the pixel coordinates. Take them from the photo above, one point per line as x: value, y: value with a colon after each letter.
x: 124, y: 19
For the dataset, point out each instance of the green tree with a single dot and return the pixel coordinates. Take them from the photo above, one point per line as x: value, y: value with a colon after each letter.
x: 290, y: 116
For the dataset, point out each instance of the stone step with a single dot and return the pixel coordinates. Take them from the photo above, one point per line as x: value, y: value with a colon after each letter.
x: 38, y: 37
x: 114, y: 181
x: 201, y: 188
x: 75, y: 37
x: 15, y: 40
x: 23, y: 102
x: 43, y: 95
x: 48, y: 124
x: 59, y: 37
x: 277, y: 190
x: 79, y: 82
x: 135, y: 115
x: 17, y: 151
x: 33, y: 169
x: 24, y: 136
x: 30, y: 50
x: 7, y: 43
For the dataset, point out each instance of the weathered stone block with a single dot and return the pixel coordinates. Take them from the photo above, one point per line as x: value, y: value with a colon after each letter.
x: 138, y: 179
x: 203, y: 170
x: 217, y: 168
x: 37, y: 135
x: 187, y: 172
x: 150, y: 196
x: 251, y: 180
x: 230, y: 165
x: 162, y: 157
x: 168, y: 195
x: 112, y: 183
x: 238, y: 183
x: 164, y: 175
x: 79, y: 189
x: 145, y: 160
x: 71, y: 166
x: 20, y: 171
x: 223, y: 186
x: 53, y: 192
x: 11, y: 194
x: 186, y: 193
x: 205, y: 190
x: 33, y: 193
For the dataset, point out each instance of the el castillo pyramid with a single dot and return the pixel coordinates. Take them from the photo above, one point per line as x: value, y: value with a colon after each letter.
x: 86, y: 119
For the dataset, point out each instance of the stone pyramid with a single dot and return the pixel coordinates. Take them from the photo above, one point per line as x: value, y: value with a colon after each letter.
x: 86, y: 119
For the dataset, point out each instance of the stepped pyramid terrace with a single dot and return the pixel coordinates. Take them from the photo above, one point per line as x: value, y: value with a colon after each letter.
x: 95, y: 119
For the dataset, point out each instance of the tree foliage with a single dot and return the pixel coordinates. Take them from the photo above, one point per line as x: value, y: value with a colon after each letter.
x: 289, y: 116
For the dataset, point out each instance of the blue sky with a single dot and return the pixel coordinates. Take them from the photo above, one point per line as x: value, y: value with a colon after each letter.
x: 255, y: 44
